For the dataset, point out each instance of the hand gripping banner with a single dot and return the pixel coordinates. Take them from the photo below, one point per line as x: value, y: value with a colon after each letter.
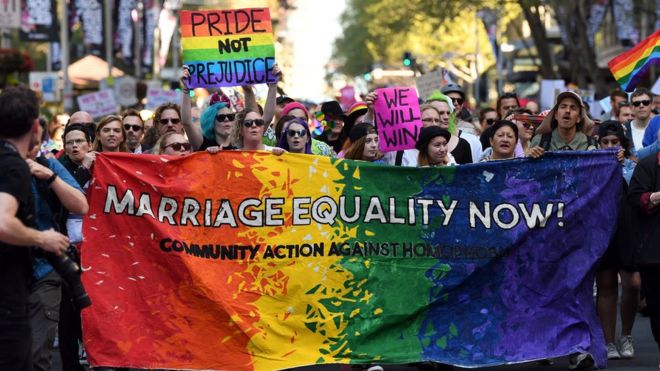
x: 246, y: 260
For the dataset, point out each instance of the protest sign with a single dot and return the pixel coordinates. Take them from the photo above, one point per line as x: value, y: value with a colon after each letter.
x: 10, y: 14
x: 397, y: 117
x: 428, y: 83
x: 47, y: 83
x: 98, y: 104
x: 228, y: 47
x: 39, y: 21
x: 125, y: 88
x: 297, y: 260
x: 549, y: 89
x: 157, y: 96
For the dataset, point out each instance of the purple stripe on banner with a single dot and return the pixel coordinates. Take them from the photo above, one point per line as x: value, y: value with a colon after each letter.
x: 231, y: 73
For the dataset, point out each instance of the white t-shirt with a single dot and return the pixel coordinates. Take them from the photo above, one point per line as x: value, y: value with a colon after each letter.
x: 638, y: 136
x: 475, y: 144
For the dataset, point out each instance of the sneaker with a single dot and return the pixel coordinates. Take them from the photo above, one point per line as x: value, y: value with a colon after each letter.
x: 580, y: 361
x: 626, y: 347
x: 612, y: 352
x: 375, y: 368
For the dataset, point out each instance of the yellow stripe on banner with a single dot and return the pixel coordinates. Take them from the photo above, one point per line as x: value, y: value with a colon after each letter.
x: 211, y: 42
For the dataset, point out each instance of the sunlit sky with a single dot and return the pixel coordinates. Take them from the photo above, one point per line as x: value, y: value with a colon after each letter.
x: 313, y: 27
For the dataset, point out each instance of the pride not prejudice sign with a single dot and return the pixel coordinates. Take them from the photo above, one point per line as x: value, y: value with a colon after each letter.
x: 228, y: 47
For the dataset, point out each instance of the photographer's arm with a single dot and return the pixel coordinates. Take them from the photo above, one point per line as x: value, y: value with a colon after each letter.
x: 13, y: 232
x: 71, y: 198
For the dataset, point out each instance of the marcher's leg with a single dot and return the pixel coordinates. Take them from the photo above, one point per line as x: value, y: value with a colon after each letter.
x: 69, y: 332
x: 44, y: 315
x: 651, y: 284
x: 630, y: 283
x: 606, y: 283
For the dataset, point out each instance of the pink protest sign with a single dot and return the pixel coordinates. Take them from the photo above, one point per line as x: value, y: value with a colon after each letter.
x: 398, y: 118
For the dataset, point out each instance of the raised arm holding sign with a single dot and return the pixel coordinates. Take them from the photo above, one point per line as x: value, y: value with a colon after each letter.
x: 397, y: 118
x: 228, y: 47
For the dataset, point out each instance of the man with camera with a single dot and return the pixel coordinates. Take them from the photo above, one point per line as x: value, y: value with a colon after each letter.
x: 19, y: 110
x: 56, y: 194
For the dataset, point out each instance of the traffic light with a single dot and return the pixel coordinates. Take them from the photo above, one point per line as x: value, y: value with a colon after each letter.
x: 407, y: 59
x: 367, y: 76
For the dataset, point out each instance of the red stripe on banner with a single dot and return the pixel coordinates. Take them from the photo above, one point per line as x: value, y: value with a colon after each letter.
x: 634, y: 54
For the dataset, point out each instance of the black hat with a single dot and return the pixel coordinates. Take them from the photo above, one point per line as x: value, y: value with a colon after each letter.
x: 358, y: 131
x: 610, y: 127
x: 283, y: 100
x: 332, y: 108
x: 428, y: 133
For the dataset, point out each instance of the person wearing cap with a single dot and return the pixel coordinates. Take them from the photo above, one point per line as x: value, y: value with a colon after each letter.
x: 567, y: 122
x: 644, y: 197
x: 364, y: 147
x: 336, y: 117
x: 503, y: 140
x: 618, y: 259
x: 432, y: 146
x: 296, y: 109
x: 463, y: 115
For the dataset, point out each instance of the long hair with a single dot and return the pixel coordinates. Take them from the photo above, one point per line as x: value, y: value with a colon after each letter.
x: 97, y: 146
x: 284, y: 143
x: 236, y: 137
x: 165, y: 106
x: 423, y: 158
x: 356, y: 150
x: 207, y: 119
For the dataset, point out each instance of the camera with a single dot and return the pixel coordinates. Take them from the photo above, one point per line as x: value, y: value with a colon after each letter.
x: 70, y: 272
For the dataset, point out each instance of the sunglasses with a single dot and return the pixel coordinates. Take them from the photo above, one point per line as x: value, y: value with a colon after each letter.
x: 128, y: 127
x: 528, y: 125
x: 490, y: 122
x: 292, y: 133
x: 225, y: 117
x: 257, y: 122
x: 173, y: 121
x: 457, y: 101
x: 641, y: 102
x: 179, y: 146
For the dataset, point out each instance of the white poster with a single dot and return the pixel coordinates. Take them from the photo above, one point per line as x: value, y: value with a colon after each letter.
x: 126, y: 91
x: 98, y: 104
x: 10, y: 13
x: 547, y: 95
x: 428, y: 83
x: 157, y: 96
x: 47, y: 83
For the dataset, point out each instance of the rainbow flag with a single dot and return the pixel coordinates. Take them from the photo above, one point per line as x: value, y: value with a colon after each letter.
x: 228, y: 47
x: 630, y: 67
x: 250, y: 261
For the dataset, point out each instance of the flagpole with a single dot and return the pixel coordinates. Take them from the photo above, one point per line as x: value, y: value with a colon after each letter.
x: 64, y: 50
x: 107, y: 23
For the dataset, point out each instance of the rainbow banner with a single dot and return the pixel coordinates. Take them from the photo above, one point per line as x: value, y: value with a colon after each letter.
x: 630, y: 67
x: 246, y: 260
x: 228, y: 47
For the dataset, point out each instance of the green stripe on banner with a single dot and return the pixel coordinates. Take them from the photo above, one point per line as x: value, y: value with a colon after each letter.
x: 262, y: 51
x: 639, y: 64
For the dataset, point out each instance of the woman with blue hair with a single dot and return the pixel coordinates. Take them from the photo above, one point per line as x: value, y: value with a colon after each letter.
x: 296, y: 137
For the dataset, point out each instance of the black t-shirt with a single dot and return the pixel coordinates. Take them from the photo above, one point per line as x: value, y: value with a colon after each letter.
x: 206, y: 143
x: 15, y: 261
x: 485, y: 137
x: 463, y: 152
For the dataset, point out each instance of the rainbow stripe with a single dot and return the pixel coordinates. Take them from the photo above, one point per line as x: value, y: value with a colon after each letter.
x: 630, y: 67
x: 228, y: 47
x: 489, y: 296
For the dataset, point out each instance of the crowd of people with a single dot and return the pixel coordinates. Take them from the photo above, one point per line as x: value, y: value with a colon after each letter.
x: 42, y: 192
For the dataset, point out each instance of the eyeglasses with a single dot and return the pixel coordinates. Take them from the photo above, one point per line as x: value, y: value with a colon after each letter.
x: 225, y: 117
x: 637, y: 103
x: 179, y: 146
x: 128, y: 127
x: 292, y: 133
x: 457, y: 101
x: 257, y: 122
x: 165, y: 121
x: 76, y: 142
